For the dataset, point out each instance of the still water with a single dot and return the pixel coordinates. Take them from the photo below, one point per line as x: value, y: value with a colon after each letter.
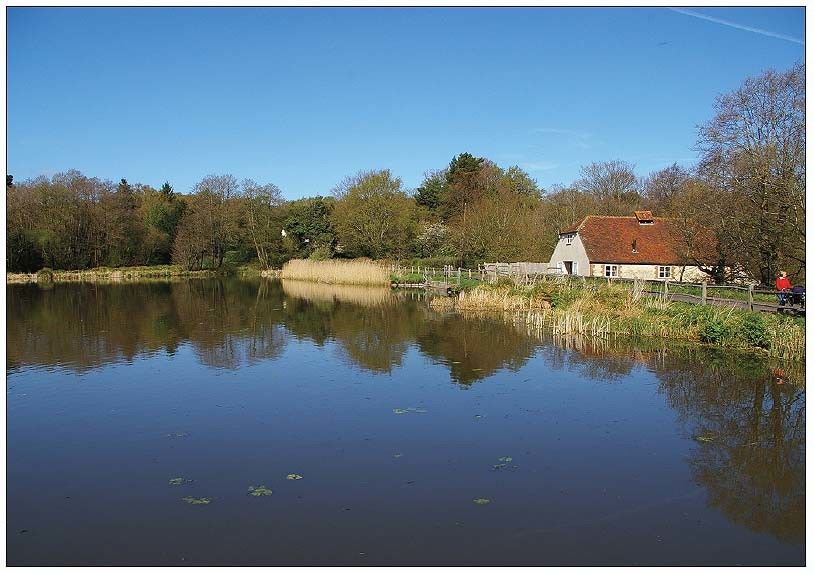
x: 397, y: 418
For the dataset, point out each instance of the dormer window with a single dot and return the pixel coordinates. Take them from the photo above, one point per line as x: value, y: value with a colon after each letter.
x: 644, y: 217
x: 569, y: 239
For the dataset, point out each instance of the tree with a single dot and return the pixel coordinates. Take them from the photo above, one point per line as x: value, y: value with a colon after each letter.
x: 263, y: 220
x: 373, y: 216
x: 613, y: 183
x: 662, y: 187
x: 465, y: 183
x: 218, y: 214
x: 308, y: 225
x: 431, y: 192
x: 755, y: 148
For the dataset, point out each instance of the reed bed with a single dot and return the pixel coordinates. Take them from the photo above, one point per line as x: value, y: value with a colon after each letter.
x: 354, y: 272
x: 605, y: 312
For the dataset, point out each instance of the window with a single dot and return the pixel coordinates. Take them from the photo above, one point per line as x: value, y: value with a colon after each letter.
x: 569, y: 239
x: 611, y: 271
x: 665, y: 272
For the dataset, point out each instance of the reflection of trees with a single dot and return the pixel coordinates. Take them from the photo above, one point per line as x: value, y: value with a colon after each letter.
x: 474, y: 347
x: 81, y: 326
x: 372, y: 326
x: 754, y: 468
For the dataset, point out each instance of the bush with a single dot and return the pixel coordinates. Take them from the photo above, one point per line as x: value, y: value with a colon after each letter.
x: 45, y: 275
x: 321, y: 253
x: 752, y: 330
x: 713, y: 330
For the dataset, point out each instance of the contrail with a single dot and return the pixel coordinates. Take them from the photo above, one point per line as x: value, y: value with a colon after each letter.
x: 738, y: 26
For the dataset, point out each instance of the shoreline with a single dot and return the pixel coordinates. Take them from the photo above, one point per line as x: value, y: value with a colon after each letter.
x: 611, y: 312
x: 132, y: 274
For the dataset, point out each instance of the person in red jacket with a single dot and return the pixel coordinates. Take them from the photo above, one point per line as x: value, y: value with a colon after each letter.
x: 783, y: 286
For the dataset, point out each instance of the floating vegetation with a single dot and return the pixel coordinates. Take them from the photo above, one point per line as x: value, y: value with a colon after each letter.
x: 505, y: 459
x: 292, y: 477
x: 179, y: 481
x: 258, y: 491
x: 409, y: 411
x: 398, y: 455
x: 482, y: 501
x: 197, y: 500
x: 705, y: 439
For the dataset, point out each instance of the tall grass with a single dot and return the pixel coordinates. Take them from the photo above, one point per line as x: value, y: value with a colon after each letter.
x: 353, y: 272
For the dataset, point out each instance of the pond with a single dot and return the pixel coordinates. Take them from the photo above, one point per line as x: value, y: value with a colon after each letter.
x: 260, y: 422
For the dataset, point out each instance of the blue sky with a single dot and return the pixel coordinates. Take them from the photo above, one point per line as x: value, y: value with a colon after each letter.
x: 303, y: 97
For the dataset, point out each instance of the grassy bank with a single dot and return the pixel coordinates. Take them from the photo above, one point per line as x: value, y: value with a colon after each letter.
x: 106, y: 274
x: 352, y: 272
x: 618, y: 309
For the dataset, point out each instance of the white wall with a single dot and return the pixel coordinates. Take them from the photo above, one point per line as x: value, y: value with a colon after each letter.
x: 573, y: 252
x: 649, y: 272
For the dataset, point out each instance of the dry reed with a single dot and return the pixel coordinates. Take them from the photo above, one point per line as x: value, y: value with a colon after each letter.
x: 355, y: 272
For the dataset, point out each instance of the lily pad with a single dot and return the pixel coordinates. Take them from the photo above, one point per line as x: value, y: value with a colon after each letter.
x: 409, y: 411
x: 197, y: 500
x: 258, y: 491
x: 179, y: 481
x: 293, y: 476
x: 705, y: 439
x: 482, y: 501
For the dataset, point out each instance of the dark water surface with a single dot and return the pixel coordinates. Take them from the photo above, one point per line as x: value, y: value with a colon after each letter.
x: 397, y: 418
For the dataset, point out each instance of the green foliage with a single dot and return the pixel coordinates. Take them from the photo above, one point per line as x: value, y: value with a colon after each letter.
x: 752, y: 329
x: 714, y: 331
x: 45, y: 275
x: 321, y: 253
x: 431, y: 191
x: 308, y: 226
x: 373, y: 216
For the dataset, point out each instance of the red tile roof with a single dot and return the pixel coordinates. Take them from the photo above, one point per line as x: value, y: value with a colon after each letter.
x: 609, y: 239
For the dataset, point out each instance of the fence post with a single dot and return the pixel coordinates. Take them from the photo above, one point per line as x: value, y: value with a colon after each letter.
x: 665, y: 289
x: 704, y: 293
x: 751, y: 298
x: 459, y: 276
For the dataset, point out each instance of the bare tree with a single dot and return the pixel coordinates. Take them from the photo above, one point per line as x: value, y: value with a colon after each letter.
x: 613, y: 183
x: 261, y: 204
x: 754, y: 148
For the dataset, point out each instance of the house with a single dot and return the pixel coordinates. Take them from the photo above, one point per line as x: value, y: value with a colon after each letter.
x: 641, y: 246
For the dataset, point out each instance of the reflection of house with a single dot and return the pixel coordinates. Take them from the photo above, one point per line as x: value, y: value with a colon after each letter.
x: 641, y: 246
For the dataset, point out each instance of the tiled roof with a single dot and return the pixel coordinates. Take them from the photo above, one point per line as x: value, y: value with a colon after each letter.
x: 610, y: 239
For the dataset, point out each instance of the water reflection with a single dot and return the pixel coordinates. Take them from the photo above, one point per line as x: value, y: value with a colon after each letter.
x: 753, y: 470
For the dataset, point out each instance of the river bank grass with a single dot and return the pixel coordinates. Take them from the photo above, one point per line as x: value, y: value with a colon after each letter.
x: 122, y: 274
x: 351, y: 272
x: 621, y: 310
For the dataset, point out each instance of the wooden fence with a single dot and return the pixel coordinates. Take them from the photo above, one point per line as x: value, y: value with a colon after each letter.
x: 728, y: 295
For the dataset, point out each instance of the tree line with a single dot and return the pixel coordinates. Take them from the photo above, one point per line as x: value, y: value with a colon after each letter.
x: 748, y: 187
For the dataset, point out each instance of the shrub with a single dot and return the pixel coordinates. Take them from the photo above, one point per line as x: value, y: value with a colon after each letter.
x: 45, y: 275
x: 713, y: 330
x: 321, y: 253
x: 752, y: 330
